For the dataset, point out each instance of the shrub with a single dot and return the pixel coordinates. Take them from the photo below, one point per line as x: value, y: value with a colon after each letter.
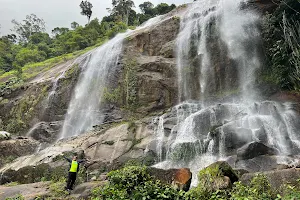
x: 134, y: 182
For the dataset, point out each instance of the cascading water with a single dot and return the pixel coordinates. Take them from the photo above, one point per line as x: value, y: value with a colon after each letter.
x: 84, y: 109
x: 218, y: 53
x: 81, y: 60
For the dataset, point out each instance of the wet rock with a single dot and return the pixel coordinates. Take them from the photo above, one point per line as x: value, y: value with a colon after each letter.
x: 180, y: 178
x: 261, y: 135
x: 46, y: 131
x: 240, y: 172
x: 276, y: 177
x: 185, y: 151
x: 236, y: 137
x: 138, y: 156
x: 258, y: 164
x: 254, y: 149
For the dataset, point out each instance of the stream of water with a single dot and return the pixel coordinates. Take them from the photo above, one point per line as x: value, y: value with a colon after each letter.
x: 206, y: 130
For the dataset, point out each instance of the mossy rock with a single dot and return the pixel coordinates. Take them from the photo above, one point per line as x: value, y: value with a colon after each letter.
x: 216, y: 176
x: 32, y: 174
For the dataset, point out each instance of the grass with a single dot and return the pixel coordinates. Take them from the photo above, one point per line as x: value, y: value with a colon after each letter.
x: 33, y: 69
x: 11, y: 184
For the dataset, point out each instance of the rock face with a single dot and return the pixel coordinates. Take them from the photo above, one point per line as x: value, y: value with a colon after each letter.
x: 14, y: 148
x: 254, y: 149
x: 31, y: 174
x: 180, y: 178
x: 149, y: 68
x: 45, y: 98
x: 28, y: 191
x: 264, y: 5
x: 106, y: 149
x: 43, y: 190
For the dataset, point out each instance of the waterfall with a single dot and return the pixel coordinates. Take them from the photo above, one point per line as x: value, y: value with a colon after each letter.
x: 218, y: 52
x: 217, y: 35
x: 55, y: 83
x: 84, y: 110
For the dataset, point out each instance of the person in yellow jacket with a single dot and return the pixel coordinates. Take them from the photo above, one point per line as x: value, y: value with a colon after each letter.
x: 74, y: 168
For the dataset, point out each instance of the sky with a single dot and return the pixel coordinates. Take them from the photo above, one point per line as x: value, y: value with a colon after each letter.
x: 57, y: 13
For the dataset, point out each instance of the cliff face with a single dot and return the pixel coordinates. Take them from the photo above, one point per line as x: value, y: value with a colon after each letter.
x: 43, y: 99
x: 146, y: 80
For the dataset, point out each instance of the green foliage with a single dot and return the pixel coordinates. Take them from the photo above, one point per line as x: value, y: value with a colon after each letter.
x: 18, y: 197
x: 122, y: 8
x: 281, y: 37
x: 10, y: 85
x: 35, y: 46
x: 130, y: 85
x: 259, y: 189
x: 149, y: 11
x: 113, y: 96
x: 12, y: 184
x: 9, y: 159
x: 134, y: 182
x: 58, y: 188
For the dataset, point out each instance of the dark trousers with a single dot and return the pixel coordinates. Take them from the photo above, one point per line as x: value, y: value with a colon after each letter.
x: 71, y: 180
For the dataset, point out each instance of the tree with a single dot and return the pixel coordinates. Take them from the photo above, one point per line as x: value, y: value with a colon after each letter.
x: 38, y: 38
x: 27, y: 55
x: 146, y: 7
x: 74, y: 25
x: 59, y: 31
x: 86, y: 9
x: 122, y: 8
x: 164, y: 8
x: 32, y: 24
x: 11, y: 38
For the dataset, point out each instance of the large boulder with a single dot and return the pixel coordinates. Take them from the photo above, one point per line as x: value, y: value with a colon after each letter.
x: 254, y: 149
x: 218, y: 175
x: 31, y: 174
x: 45, y: 131
x: 180, y: 178
x: 13, y: 148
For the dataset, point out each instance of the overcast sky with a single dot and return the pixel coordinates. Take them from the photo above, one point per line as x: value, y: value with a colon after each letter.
x: 57, y: 13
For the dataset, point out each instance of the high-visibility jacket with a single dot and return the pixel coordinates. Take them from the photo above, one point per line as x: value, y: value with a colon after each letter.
x: 74, y: 166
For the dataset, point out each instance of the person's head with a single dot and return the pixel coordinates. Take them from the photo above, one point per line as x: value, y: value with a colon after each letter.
x: 74, y: 157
